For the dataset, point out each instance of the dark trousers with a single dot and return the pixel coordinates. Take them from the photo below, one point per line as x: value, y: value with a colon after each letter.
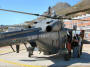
x: 75, y: 51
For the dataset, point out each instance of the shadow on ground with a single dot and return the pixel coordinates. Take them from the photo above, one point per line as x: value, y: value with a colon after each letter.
x: 60, y: 62
x: 85, y: 58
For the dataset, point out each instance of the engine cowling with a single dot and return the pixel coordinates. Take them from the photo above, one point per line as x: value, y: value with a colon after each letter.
x: 54, y: 27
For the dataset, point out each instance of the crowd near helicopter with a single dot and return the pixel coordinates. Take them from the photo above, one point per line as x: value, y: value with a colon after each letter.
x: 48, y: 35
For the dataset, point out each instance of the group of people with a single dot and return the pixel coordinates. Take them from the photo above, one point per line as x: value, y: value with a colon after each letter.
x: 74, y: 44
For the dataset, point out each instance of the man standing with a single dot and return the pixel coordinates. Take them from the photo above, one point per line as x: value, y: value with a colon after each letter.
x: 75, y: 45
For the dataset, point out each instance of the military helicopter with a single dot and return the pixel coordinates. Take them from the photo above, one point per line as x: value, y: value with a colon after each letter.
x: 48, y: 35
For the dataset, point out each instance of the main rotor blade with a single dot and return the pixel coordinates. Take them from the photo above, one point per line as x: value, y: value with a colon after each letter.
x: 60, y: 17
x: 76, y: 19
x: 74, y: 12
x: 80, y: 19
x: 21, y: 12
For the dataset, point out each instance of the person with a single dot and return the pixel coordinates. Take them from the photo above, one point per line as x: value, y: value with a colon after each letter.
x: 75, y: 45
x: 82, y: 37
x: 68, y: 44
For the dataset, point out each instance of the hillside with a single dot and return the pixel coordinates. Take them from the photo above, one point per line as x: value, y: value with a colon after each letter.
x: 60, y: 6
x: 84, y: 4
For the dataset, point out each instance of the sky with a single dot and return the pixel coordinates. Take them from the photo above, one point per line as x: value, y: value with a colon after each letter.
x: 32, y: 6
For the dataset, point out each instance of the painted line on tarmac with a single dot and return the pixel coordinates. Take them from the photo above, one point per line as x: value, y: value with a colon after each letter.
x: 5, y: 51
x: 19, y: 64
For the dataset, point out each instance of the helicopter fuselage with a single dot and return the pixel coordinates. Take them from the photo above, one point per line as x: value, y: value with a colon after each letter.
x: 53, y: 43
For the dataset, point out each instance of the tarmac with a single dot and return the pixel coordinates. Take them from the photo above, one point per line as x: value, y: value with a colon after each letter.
x: 8, y: 58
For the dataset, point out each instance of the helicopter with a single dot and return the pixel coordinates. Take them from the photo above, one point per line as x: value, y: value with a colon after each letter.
x: 48, y: 35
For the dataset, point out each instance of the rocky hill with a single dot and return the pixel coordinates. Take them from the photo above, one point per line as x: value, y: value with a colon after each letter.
x: 83, y: 4
x: 60, y: 6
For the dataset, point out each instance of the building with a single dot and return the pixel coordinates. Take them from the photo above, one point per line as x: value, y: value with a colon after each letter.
x: 81, y: 25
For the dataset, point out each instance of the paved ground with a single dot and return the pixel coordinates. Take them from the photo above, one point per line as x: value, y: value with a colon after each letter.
x: 8, y: 58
